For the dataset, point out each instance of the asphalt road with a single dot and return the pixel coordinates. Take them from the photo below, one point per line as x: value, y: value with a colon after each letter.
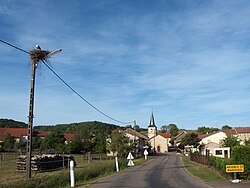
x: 163, y: 171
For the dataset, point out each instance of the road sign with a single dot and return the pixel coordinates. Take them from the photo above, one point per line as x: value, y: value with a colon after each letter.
x: 234, y: 168
x: 145, y: 152
x: 130, y: 156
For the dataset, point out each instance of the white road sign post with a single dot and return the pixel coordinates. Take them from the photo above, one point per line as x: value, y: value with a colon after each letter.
x: 130, y: 158
x: 116, y: 164
x: 72, y: 177
x: 146, y: 154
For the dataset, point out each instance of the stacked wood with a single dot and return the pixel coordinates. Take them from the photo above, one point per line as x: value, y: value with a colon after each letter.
x: 44, y: 162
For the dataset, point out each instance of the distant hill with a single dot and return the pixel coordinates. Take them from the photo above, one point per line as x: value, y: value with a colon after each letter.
x: 93, y: 127
x: 9, y: 123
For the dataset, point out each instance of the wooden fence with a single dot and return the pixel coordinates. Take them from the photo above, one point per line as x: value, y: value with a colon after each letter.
x: 201, y: 159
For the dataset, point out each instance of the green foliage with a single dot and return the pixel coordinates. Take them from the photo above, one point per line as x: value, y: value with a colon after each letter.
x: 55, y: 141
x: 230, y: 141
x: 87, y: 128
x: 190, y: 139
x: 101, y: 143
x: 226, y: 127
x: 247, y: 142
x: 8, y: 143
x: 9, y: 123
x: 205, y: 130
x: 241, y: 155
x: 219, y: 164
x: 172, y: 128
x: 119, y: 143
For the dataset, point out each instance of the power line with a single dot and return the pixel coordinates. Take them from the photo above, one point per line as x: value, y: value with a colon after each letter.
x: 20, y: 49
x: 101, y: 112
x: 82, y: 96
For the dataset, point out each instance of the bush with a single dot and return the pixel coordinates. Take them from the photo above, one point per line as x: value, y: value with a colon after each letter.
x: 219, y: 164
x: 241, y: 155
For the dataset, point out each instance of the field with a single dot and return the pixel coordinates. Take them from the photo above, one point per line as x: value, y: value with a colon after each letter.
x: 85, y: 170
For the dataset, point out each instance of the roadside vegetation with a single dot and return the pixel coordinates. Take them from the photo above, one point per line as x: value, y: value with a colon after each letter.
x: 84, y: 172
x: 203, y: 172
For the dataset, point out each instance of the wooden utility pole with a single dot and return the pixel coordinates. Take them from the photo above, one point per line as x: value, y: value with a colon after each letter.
x: 36, y: 56
x: 30, y: 116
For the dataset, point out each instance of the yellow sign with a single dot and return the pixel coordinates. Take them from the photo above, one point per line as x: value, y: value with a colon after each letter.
x: 234, y: 168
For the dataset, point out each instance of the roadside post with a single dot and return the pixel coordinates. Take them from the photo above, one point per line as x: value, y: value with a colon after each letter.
x: 145, y: 152
x: 130, y: 158
x: 72, y: 177
x: 234, y: 169
x: 116, y: 164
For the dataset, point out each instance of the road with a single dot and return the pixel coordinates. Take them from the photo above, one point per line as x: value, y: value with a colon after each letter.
x: 163, y: 171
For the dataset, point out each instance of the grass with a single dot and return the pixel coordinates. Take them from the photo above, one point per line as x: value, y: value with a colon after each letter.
x: 202, y: 172
x: 84, y: 172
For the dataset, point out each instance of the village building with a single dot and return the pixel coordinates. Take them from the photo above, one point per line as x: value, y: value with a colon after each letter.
x: 159, y: 142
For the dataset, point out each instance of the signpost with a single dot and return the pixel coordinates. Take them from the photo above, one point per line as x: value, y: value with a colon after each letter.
x: 145, y: 153
x: 130, y: 158
x: 234, y: 169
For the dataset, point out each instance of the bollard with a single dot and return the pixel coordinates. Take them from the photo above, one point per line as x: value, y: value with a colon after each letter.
x: 116, y: 164
x: 72, y: 177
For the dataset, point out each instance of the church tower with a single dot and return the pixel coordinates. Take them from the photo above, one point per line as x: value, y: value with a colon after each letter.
x: 152, y: 129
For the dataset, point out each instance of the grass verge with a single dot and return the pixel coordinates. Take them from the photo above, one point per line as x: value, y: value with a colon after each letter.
x: 202, y: 172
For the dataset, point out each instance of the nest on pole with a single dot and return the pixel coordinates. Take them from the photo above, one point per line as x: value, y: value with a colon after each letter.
x: 39, y: 55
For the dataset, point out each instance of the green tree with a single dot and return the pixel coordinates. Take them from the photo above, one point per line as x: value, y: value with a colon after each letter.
x: 226, y: 127
x: 241, y: 155
x: 9, y: 142
x: 205, y: 130
x: 230, y: 141
x: 119, y: 143
x: 247, y: 142
x: 190, y: 139
x: 172, y: 128
x: 101, y: 143
x: 55, y: 141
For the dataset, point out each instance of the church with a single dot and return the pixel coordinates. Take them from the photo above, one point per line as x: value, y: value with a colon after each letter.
x: 158, y: 141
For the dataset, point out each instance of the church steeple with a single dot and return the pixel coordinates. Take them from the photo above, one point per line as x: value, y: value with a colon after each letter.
x: 152, y: 129
x: 152, y: 121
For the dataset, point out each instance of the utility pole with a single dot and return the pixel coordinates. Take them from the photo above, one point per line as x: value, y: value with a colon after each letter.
x: 30, y: 116
x: 36, y: 56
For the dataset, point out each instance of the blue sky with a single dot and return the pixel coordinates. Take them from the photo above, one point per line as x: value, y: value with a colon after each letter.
x: 187, y: 60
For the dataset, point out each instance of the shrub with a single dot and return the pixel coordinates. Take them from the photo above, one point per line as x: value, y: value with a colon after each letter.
x: 241, y: 155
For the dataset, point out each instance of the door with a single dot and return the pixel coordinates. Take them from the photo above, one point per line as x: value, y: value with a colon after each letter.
x: 158, y: 148
x: 225, y: 153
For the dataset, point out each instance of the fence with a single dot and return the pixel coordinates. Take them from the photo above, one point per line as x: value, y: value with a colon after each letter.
x: 201, y: 159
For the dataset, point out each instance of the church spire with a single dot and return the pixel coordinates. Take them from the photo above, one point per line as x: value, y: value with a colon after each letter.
x: 152, y: 121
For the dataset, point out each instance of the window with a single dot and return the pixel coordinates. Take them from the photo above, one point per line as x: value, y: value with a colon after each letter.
x: 218, y: 152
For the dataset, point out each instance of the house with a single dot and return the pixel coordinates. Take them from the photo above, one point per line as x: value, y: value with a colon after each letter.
x: 211, y: 143
x: 243, y: 133
x: 158, y: 141
x: 139, y: 139
x: 178, y: 138
x: 20, y: 134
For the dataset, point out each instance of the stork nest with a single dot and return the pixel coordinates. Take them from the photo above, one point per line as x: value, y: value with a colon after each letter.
x: 39, y: 55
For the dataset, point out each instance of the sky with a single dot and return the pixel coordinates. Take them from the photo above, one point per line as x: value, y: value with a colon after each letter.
x: 187, y: 61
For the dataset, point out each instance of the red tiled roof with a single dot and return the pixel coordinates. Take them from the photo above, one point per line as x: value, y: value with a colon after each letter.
x: 165, y: 135
x: 41, y: 133
x: 230, y: 131
x: 201, y: 136
x: 69, y: 136
x: 16, y: 132
x: 242, y: 129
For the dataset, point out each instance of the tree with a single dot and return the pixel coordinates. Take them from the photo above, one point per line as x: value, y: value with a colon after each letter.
x: 230, y: 141
x: 226, y: 127
x: 190, y: 139
x: 55, y: 141
x: 119, y: 143
x: 172, y: 128
x: 100, y: 140
x: 205, y: 130
x: 9, y: 142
